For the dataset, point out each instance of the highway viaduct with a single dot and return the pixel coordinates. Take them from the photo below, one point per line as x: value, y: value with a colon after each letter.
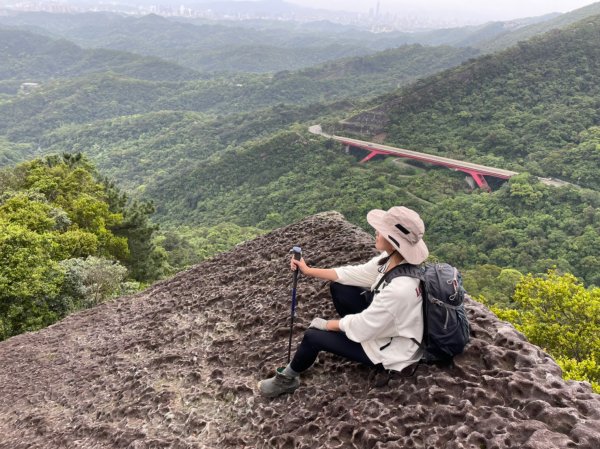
x: 476, y: 171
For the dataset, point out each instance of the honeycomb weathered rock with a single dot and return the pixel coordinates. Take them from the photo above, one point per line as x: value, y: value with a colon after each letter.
x: 177, y: 365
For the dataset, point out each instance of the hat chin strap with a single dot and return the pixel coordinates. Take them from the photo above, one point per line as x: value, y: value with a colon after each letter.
x: 399, y: 254
x: 387, y: 258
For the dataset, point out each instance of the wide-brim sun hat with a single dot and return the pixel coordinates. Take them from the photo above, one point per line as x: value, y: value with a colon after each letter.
x: 404, y: 229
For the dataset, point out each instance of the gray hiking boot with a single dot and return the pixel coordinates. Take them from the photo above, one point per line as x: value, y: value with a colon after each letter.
x: 278, y: 385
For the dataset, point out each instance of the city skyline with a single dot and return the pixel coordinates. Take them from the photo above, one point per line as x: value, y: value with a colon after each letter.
x: 506, y: 10
x: 378, y: 15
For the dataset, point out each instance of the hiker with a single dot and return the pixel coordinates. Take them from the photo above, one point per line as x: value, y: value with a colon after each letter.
x: 378, y: 320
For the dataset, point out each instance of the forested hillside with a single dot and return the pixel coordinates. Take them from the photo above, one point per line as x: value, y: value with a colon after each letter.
x: 523, y: 109
x: 226, y: 157
x: 90, y: 113
x: 69, y: 240
x: 138, y: 150
x: 109, y: 95
x: 259, y: 46
x: 503, y: 110
x: 27, y: 56
x: 512, y: 36
x: 525, y: 225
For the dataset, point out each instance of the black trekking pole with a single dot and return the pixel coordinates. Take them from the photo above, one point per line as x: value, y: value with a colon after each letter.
x: 297, y: 255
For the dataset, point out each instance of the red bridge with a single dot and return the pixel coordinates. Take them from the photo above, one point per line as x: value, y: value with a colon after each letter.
x: 475, y: 170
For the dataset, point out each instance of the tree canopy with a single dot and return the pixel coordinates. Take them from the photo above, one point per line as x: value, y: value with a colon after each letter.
x: 560, y: 315
x: 61, y: 227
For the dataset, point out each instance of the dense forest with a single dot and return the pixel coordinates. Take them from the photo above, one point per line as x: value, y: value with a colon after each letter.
x: 114, y: 94
x: 50, y: 59
x: 216, y: 158
x: 262, y: 47
x: 525, y: 224
x: 69, y: 240
x: 522, y: 109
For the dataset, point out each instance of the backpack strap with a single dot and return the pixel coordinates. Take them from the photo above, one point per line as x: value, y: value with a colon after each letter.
x: 413, y: 271
x: 404, y: 269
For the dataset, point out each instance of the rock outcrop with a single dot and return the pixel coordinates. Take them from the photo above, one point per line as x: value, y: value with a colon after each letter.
x: 177, y: 365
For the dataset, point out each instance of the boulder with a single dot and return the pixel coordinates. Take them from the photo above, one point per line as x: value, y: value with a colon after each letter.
x: 176, y: 366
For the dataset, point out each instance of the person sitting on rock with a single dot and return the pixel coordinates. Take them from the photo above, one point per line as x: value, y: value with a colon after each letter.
x: 376, y: 325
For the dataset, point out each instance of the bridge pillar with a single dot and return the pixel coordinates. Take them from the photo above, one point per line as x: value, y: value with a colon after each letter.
x: 370, y: 156
x: 479, y: 180
x: 470, y: 181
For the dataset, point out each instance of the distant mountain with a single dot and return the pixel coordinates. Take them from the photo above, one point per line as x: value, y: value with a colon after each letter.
x: 511, y: 36
x: 255, y: 46
x: 271, y: 45
x: 472, y: 36
x: 31, y: 57
x: 104, y: 95
x: 198, y: 45
x: 517, y: 109
x: 237, y: 46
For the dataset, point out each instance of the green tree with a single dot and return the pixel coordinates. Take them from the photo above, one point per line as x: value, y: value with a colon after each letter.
x: 145, y: 260
x: 57, y: 216
x: 560, y: 315
x: 91, y: 281
x: 492, y: 285
x: 28, y: 278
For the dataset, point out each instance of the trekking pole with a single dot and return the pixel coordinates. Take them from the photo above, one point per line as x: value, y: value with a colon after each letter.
x: 297, y: 251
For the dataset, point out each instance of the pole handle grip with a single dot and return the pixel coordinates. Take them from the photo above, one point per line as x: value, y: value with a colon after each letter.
x: 297, y: 251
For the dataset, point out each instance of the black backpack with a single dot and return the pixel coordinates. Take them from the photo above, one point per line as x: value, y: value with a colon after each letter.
x: 446, y: 327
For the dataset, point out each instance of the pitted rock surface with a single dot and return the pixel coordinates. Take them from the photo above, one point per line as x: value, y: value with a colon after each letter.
x: 177, y: 366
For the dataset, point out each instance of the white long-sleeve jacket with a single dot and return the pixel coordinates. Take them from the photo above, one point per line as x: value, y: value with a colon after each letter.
x: 386, y: 327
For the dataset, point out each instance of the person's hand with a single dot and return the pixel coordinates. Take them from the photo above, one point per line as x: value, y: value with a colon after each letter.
x: 298, y: 264
x: 319, y: 323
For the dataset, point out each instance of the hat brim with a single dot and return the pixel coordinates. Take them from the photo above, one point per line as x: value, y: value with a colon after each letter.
x: 413, y: 253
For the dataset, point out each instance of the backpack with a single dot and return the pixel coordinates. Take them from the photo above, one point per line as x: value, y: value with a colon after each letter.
x: 446, y: 327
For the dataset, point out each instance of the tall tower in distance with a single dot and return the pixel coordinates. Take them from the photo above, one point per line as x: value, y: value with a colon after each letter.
x: 377, y: 9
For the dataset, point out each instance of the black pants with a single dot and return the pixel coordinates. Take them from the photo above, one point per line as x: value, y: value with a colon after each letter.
x: 347, y: 300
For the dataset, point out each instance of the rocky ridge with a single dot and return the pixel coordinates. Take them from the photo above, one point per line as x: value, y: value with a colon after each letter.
x: 177, y: 365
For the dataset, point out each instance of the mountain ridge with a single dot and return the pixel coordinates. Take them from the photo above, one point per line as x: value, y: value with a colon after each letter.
x: 34, y: 57
x: 511, y: 38
x: 514, y: 107
x: 208, y: 46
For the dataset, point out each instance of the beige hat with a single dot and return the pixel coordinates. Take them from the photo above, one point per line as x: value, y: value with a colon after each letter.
x: 404, y: 229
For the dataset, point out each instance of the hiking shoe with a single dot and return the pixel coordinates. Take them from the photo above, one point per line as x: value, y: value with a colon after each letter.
x: 278, y: 385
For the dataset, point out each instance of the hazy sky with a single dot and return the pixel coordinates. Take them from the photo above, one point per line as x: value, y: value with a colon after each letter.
x: 471, y: 9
